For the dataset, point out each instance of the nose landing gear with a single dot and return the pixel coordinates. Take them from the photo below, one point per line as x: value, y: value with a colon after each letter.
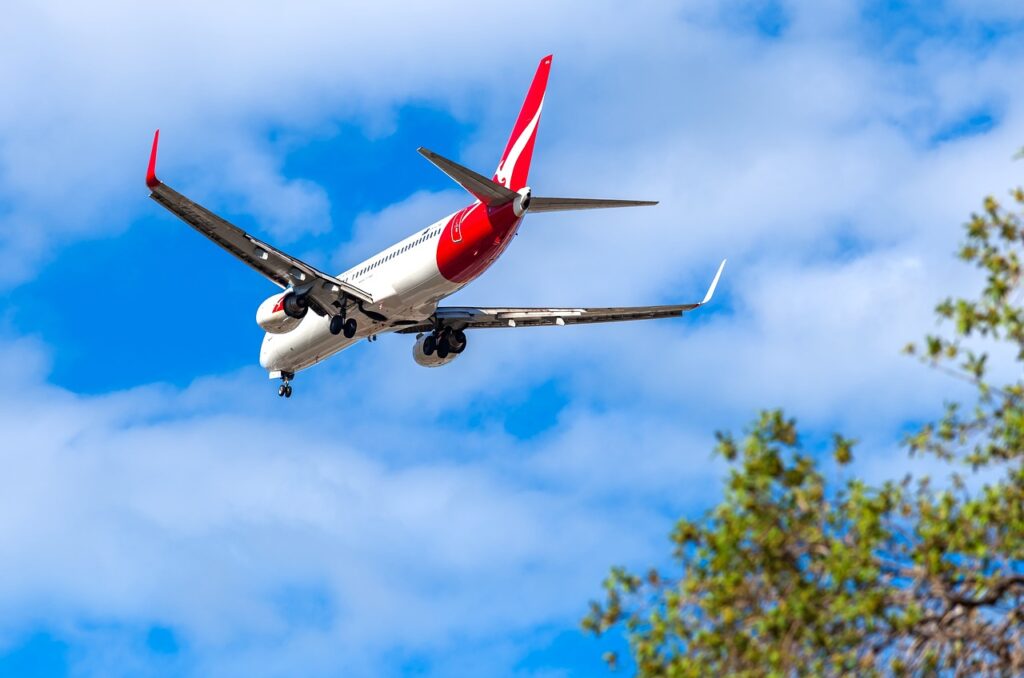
x: 285, y: 389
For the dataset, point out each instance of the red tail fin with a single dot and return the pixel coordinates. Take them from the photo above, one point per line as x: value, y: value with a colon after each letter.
x: 515, y: 161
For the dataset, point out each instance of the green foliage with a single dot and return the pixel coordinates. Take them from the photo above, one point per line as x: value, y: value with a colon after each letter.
x: 792, y: 576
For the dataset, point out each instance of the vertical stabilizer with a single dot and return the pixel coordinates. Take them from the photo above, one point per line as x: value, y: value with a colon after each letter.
x: 515, y: 162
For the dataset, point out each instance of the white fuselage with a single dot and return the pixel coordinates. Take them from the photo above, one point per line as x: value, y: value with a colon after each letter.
x: 405, y: 283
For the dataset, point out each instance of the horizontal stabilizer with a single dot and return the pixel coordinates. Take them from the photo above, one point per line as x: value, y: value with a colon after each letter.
x: 493, y: 194
x: 490, y: 193
x: 565, y: 204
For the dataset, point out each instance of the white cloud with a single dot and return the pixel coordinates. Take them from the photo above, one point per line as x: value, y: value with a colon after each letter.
x: 149, y: 507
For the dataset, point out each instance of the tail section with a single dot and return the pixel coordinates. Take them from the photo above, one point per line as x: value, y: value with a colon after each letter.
x: 510, y: 177
x: 515, y: 161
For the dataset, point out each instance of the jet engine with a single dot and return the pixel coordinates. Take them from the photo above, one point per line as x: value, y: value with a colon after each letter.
x: 282, y: 312
x: 429, y: 351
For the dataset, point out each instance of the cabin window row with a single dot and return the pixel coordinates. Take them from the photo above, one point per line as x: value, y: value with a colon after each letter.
x: 395, y: 253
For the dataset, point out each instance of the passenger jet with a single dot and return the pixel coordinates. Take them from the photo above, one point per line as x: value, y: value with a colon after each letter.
x: 399, y: 289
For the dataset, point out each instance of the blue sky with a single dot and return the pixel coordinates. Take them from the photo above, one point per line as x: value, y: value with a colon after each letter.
x: 162, y: 512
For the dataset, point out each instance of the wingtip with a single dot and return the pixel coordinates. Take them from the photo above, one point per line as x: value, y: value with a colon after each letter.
x: 151, y: 179
x: 547, y: 60
x: 714, y: 283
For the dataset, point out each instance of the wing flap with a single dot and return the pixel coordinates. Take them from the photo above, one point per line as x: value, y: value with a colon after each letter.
x: 471, y: 317
x: 542, y: 317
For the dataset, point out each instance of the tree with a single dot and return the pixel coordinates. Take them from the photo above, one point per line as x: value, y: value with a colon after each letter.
x: 792, y: 575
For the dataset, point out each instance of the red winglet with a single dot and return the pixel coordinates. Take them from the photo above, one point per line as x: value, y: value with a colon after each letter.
x: 151, y: 179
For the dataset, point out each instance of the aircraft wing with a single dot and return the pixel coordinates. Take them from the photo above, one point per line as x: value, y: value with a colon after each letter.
x: 467, y: 317
x: 326, y: 291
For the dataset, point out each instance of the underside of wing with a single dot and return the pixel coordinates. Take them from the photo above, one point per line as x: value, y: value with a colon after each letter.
x: 469, y: 317
x: 328, y: 293
x: 539, y: 317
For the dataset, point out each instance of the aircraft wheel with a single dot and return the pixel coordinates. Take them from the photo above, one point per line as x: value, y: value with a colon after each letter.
x: 443, y: 347
x: 460, y: 340
x: 287, y: 391
x: 337, y: 324
x: 281, y: 390
x: 429, y: 345
x: 350, y: 328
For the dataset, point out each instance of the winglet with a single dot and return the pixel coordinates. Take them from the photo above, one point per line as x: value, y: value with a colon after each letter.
x: 151, y: 179
x: 714, y: 283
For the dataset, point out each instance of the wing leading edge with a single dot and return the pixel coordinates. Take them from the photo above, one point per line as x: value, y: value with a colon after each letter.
x: 327, y: 291
x: 468, y: 317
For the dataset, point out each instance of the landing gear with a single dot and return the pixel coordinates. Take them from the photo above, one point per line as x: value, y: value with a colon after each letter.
x: 285, y: 389
x: 445, y: 341
x: 340, y: 325
x: 337, y: 324
x: 457, y: 341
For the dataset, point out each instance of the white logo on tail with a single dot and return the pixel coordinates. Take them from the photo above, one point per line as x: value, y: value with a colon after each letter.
x: 504, y: 174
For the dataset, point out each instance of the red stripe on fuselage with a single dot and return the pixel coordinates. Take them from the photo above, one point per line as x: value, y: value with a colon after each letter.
x: 485, y: 233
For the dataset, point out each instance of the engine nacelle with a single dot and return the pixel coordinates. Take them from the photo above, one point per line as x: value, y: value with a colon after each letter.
x: 432, y: 360
x: 282, y: 313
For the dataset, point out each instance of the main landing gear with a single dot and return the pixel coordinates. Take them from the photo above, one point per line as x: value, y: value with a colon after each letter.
x: 340, y: 324
x: 285, y: 389
x: 445, y: 341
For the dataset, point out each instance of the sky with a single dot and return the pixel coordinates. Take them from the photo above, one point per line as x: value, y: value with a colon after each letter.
x: 163, y: 512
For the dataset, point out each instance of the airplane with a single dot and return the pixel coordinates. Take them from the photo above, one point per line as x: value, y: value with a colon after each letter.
x: 398, y: 290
